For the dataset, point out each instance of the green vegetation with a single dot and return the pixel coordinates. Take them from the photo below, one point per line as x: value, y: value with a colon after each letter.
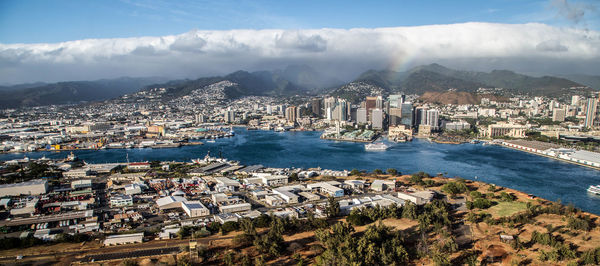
x: 379, y: 245
x: 455, y: 188
x: 333, y: 207
x: 503, y: 209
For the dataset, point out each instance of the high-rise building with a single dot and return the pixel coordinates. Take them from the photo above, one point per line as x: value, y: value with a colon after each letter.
x: 377, y: 115
x: 291, y: 114
x: 379, y: 102
x: 558, y: 114
x: 406, y: 114
x: 591, y: 112
x: 396, y: 100
x: 361, y: 115
x: 433, y: 118
x: 330, y: 102
x: 395, y: 116
x: 420, y: 116
x: 269, y: 109
x: 229, y: 116
x: 316, y: 106
x: 200, y: 118
x: 575, y: 100
x: 370, y: 104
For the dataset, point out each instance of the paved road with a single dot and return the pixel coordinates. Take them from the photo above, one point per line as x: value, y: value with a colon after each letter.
x: 130, y: 254
x: 152, y: 246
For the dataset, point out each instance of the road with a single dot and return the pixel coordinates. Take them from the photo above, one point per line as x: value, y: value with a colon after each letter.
x: 154, y: 247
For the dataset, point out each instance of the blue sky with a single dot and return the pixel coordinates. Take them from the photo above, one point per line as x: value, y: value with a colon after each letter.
x: 42, y: 21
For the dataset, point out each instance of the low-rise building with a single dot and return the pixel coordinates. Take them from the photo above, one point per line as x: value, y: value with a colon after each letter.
x: 240, y: 207
x: 121, y: 201
x: 327, y: 188
x: 124, y: 239
x: 191, y: 208
x: 274, y: 180
x: 32, y: 187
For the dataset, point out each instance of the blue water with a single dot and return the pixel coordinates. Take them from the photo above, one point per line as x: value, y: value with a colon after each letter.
x: 529, y: 173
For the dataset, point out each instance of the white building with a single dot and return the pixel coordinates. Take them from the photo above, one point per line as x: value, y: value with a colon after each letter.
x: 240, y: 207
x: 121, y: 201
x: 124, y: 239
x: 327, y: 188
x: 191, y: 208
x: 32, y: 187
x: 274, y: 180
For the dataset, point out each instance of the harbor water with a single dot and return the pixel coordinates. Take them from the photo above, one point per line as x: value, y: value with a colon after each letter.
x: 540, y: 176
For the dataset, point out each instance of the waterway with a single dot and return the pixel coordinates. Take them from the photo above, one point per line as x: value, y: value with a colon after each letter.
x: 540, y: 176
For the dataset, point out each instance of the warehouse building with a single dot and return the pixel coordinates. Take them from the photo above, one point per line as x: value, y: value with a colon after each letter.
x: 32, y: 187
x: 124, y: 239
x: 191, y: 208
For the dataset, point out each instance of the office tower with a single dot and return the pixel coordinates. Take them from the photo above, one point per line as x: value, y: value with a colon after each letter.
x: 433, y: 118
x: 377, y: 118
x: 420, y: 116
x: 316, y: 106
x: 396, y: 100
x: 558, y: 114
x: 395, y: 116
x: 361, y: 115
x: 379, y: 102
x: 341, y: 111
x: 353, y: 115
x: 269, y: 109
x: 290, y: 114
x: 229, y: 116
x: 553, y: 104
x: 591, y: 110
x: 200, y: 119
x: 575, y: 100
x: 406, y: 114
x: 370, y: 104
x: 330, y: 102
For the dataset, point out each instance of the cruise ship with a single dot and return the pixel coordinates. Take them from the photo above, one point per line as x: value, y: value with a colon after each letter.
x: 376, y: 146
x: 594, y: 189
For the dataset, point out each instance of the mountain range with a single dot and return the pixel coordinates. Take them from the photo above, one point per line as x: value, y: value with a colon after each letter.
x: 70, y: 92
x: 303, y: 80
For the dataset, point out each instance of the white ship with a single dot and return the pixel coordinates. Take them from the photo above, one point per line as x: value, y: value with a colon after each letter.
x: 376, y: 146
x: 594, y: 189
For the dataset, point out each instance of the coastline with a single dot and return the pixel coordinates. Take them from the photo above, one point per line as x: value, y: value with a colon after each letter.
x: 552, y: 157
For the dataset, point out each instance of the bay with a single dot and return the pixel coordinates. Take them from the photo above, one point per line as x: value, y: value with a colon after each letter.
x: 540, y: 176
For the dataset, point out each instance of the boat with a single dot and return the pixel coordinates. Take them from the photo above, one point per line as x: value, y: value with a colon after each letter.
x: 376, y: 146
x: 594, y: 189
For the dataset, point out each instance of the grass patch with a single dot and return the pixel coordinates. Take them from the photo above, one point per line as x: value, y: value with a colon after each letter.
x: 507, y: 208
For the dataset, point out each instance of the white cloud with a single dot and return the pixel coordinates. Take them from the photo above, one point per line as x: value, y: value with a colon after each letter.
x: 345, y: 53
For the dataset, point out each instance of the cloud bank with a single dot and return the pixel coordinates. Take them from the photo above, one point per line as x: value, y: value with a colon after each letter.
x: 527, y: 48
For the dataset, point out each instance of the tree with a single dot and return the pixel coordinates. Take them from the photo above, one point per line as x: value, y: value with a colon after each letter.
x: 293, y: 177
x: 355, y: 172
x: 155, y: 164
x: 229, y: 227
x: 229, y: 258
x: 392, y: 171
x: 378, y: 172
x: 272, y: 242
x: 454, y: 188
x: 333, y: 207
x: 409, y: 211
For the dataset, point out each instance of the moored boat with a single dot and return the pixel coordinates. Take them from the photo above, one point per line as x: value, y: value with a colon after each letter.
x: 376, y: 146
x: 594, y: 189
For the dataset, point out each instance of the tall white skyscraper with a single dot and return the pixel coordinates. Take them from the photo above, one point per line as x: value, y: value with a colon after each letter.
x: 591, y: 110
x: 433, y: 117
x: 377, y: 118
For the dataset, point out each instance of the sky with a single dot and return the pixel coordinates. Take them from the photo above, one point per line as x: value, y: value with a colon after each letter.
x: 76, y: 40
